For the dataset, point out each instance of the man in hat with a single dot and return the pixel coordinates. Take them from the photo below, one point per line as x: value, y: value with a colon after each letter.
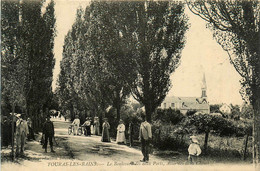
x: 194, y: 150
x: 87, y: 124
x: 21, y: 134
x: 120, y: 137
x: 105, y: 131
x: 48, y: 131
x: 76, y: 124
x: 145, y: 136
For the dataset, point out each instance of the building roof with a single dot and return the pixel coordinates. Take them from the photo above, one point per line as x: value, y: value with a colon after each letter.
x: 189, y: 103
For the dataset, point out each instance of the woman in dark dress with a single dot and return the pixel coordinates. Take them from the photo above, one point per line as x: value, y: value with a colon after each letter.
x: 105, y: 131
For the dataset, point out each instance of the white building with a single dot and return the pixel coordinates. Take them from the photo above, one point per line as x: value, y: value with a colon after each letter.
x: 184, y: 104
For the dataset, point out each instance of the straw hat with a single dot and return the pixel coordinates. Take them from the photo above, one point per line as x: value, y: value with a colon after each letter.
x: 194, y: 139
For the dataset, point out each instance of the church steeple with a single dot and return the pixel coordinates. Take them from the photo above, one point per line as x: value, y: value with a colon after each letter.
x: 204, y: 87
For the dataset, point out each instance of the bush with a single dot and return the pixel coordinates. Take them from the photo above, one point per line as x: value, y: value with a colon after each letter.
x: 164, y: 137
x: 190, y: 112
x: 168, y: 116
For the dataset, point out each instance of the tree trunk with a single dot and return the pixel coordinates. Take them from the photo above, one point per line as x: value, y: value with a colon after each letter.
x: 72, y: 116
x: 245, y: 149
x: 13, y: 129
x: 256, y: 132
x: 148, y: 112
x: 37, y: 119
x: 206, y: 141
x: 118, y: 107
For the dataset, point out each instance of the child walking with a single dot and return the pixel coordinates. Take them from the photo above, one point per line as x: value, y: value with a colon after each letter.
x: 194, y: 150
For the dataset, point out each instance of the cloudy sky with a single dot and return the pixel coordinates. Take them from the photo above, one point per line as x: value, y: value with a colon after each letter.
x: 201, y: 55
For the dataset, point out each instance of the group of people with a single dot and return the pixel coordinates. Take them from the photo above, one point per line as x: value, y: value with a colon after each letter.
x: 145, y: 137
x: 89, y: 127
x: 145, y: 133
x: 22, y: 131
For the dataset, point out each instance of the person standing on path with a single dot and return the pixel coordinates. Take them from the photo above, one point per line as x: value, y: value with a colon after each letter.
x: 130, y: 133
x: 120, y: 137
x: 48, y: 131
x: 21, y: 134
x: 87, y: 125
x: 145, y: 136
x: 76, y: 124
x: 96, y: 126
x: 31, y: 132
x: 105, y: 131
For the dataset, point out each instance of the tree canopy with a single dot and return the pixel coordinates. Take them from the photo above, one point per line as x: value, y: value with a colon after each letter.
x: 235, y: 26
x: 110, y: 53
x: 27, y: 56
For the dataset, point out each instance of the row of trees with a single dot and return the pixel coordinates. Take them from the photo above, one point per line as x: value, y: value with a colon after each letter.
x: 27, y: 58
x: 111, y: 44
x: 115, y: 49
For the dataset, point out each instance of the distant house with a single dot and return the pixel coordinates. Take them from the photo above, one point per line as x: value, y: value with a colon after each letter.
x: 225, y: 108
x: 184, y: 104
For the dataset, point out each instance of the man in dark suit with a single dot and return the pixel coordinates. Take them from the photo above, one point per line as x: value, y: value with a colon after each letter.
x: 48, y: 131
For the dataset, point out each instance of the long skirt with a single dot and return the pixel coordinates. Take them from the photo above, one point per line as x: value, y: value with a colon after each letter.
x: 105, y: 135
x: 92, y: 129
x: 120, y: 138
x: 96, y: 130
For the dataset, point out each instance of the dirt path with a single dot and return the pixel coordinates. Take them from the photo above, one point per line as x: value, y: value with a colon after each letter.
x: 79, y: 152
x: 92, y: 149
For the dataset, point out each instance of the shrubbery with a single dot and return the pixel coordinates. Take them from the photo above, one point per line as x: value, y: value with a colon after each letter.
x: 170, y: 128
x: 163, y: 125
x: 168, y: 116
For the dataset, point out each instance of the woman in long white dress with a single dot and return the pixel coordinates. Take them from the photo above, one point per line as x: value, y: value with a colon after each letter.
x: 120, y: 138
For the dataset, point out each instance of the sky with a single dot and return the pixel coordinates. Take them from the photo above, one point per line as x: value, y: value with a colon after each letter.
x: 201, y: 54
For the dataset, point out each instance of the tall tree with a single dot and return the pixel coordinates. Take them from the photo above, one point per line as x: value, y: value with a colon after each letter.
x: 102, y: 58
x: 11, y: 63
x: 116, y: 41
x: 33, y: 53
x: 235, y: 26
x: 111, y: 38
x: 160, y: 36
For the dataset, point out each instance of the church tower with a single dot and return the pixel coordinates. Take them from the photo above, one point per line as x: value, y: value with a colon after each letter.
x: 204, y: 87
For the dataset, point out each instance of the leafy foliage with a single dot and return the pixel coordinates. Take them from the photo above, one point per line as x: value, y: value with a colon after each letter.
x: 168, y: 116
x: 159, y: 37
x: 214, y: 108
x: 235, y: 26
x: 107, y: 49
x: 27, y: 55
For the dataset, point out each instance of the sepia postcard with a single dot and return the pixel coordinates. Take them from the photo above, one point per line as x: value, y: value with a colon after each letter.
x: 129, y: 85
